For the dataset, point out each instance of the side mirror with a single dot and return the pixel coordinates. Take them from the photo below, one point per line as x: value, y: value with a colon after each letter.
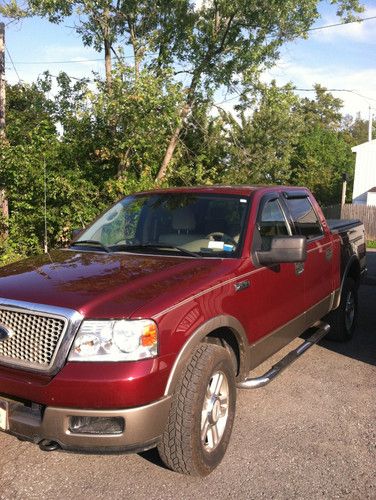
x: 76, y: 233
x: 284, y: 249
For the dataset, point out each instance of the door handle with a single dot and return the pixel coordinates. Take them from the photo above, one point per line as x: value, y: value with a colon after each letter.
x: 299, y: 268
x: 242, y: 285
x: 329, y: 254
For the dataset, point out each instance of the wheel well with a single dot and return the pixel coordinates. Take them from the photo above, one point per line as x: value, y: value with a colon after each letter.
x: 354, y: 272
x: 226, y: 338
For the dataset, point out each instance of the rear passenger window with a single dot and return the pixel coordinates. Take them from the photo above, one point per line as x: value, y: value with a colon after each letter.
x: 304, y: 217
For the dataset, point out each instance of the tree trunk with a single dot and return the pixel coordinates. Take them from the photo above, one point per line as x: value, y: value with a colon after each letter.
x: 175, y: 136
x: 108, y: 62
x: 135, y: 47
x: 4, y: 212
x: 173, y: 143
x: 123, y: 163
x: 107, y: 46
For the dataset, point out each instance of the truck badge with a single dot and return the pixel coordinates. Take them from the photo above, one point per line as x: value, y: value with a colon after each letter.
x: 5, y: 333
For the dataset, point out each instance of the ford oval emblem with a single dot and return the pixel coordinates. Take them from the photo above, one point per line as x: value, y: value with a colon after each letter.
x: 5, y: 333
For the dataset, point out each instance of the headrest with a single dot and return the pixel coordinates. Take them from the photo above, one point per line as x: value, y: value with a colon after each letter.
x: 183, y: 218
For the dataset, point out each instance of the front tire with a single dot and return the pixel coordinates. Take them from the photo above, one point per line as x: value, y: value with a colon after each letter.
x: 343, y: 320
x: 202, y: 413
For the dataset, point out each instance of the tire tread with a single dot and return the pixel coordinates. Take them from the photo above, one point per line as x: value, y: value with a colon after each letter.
x: 175, y: 448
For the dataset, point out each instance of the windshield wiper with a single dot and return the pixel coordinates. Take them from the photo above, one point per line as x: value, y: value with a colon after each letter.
x: 161, y: 245
x: 91, y: 242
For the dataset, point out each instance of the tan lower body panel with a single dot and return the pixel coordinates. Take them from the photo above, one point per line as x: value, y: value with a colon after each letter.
x: 143, y: 426
x: 272, y: 343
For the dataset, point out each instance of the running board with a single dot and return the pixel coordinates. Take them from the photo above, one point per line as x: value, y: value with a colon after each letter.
x: 255, y: 383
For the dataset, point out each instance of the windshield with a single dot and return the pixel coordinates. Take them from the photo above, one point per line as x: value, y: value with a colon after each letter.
x: 201, y: 224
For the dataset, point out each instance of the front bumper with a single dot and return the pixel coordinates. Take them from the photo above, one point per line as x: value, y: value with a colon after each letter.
x: 143, y: 426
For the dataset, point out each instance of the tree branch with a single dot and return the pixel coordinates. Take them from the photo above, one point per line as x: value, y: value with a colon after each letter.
x: 225, y: 34
x: 190, y: 72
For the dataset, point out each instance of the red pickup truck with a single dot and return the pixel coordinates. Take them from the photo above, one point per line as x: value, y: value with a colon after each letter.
x: 138, y: 334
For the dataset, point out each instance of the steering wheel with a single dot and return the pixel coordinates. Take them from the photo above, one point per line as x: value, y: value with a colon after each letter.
x: 219, y: 236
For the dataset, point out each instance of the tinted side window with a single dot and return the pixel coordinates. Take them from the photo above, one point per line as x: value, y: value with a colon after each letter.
x: 272, y: 223
x: 304, y: 217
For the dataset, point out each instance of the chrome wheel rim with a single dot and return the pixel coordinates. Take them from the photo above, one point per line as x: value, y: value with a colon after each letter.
x: 349, y: 311
x: 215, y: 410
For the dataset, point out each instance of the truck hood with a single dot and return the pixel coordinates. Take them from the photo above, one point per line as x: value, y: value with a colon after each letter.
x: 100, y: 285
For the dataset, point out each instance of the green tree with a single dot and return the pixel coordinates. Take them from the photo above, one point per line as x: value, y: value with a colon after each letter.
x: 323, y: 153
x: 356, y: 130
x: 226, y: 43
x: 320, y: 159
x: 94, y: 147
x: 100, y: 23
x: 324, y: 110
x: 262, y: 143
x: 202, y: 155
x: 218, y: 43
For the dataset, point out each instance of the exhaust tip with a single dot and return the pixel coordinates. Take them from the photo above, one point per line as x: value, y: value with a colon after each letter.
x: 46, y: 445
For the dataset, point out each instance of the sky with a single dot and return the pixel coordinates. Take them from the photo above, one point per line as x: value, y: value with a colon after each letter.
x: 341, y: 57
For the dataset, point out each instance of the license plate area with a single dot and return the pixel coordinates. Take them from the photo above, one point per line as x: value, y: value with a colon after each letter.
x: 4, y: 412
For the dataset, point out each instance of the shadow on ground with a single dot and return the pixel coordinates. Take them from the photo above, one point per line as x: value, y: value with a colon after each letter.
x: 153, y: 457
x: 363, y: 346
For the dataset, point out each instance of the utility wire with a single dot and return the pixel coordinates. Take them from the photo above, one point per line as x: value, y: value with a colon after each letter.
x: 306, y: 90
x: 72, y: 61
x: 68, y: 61
x: 337, y: 90
x: 72, y: 78
x: 342, y: 24
x: 14, y: 67
x: 59, y: 62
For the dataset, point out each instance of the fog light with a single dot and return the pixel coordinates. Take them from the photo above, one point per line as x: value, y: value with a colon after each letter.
x: 96, y: 425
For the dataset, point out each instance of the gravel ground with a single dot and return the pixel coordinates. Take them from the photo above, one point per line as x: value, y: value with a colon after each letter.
x: 309, y: 434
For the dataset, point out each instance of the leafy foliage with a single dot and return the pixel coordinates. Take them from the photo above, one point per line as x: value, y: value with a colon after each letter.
x: 91, y: 147
x: 90, y: 143
x: 216, y: 43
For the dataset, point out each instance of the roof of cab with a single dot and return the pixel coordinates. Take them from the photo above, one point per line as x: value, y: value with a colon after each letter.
x: 220, y: 189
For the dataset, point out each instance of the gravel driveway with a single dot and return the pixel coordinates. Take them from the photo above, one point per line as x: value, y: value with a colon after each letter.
x: 309, y: 434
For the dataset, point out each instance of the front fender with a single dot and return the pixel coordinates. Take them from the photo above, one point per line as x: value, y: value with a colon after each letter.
x: 222, y: 321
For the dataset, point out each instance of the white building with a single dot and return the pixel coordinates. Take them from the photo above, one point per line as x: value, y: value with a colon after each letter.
x: 364, y: 192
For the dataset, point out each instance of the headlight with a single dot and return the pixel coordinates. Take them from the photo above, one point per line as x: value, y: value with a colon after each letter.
x: 116, y: 340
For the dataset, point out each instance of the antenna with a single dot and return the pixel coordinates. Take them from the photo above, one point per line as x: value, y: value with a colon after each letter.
x: 370, y: 124
x: 45, y: 206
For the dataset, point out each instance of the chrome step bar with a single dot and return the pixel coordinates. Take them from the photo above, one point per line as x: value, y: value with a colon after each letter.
x: 255, y: 383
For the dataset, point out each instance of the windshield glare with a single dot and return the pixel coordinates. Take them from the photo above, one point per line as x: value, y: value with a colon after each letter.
x: 210, y: 225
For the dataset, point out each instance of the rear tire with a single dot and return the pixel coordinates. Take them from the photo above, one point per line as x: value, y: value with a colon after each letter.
x: 343, y: 320
x: 202, y: 413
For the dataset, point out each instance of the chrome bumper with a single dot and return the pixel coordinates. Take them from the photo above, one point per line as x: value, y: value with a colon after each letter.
x: 143, y: 427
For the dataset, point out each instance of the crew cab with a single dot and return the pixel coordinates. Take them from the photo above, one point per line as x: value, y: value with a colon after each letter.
x: 138, y: 334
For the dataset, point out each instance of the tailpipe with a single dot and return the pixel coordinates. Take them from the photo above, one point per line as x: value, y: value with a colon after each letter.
x: 47, y: 445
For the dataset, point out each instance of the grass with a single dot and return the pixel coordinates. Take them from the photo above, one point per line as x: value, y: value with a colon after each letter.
x: 371, y: 244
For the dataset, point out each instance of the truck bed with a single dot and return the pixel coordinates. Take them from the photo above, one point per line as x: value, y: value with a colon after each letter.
x: 340, y: 225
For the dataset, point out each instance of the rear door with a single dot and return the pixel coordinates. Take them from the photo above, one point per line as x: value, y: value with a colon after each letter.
x: 317, y: 270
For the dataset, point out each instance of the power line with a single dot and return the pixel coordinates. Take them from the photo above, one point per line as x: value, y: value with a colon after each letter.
x: 337, y: 90
x: 59, y: 62
x: 14, y: 67
x: 72, y: 61
x: 73, y: 78
x: 342, y: 24
x: 227, y: 100
x: 306, y: 90
x: 68, y: 61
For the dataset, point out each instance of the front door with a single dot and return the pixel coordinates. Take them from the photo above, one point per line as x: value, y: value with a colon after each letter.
x: 277, y: 308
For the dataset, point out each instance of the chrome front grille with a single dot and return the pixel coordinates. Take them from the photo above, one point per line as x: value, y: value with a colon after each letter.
x: 34, y: 338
